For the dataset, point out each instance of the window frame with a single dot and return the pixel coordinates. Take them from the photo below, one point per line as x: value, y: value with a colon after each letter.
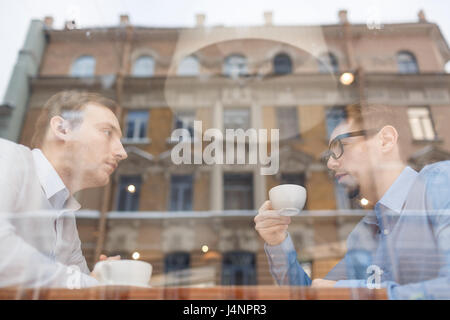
x: 139, y: 74
x: 83, y: 73
x: 171, y: 190
x: 407, y: 64
x: 430, y: 118
x: 137, y: 128
x: 291, y: 65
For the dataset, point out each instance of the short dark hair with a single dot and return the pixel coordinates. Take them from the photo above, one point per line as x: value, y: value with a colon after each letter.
x: 67, y: 104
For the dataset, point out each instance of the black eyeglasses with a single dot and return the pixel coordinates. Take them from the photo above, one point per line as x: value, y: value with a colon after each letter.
x: 336, y: 149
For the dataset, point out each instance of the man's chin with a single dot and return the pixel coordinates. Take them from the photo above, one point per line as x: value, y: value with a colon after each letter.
x: 353, y: 192
x: 351, y: 186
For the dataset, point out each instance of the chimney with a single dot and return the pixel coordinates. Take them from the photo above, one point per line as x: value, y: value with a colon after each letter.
x: 421, y: 15
x: 48, y: 22
x: 70, y: 25
x: 268, y: 18
x: 343, y: 19
x: 124, y: 20
x: 200, y: 20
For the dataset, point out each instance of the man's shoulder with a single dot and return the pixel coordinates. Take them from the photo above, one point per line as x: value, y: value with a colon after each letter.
x: 437, y: 168
x: 10, y: 146
x: 14, y: 155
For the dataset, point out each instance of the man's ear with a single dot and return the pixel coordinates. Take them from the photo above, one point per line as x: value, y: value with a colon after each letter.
x: 388, y: 136
x: 59, y: 127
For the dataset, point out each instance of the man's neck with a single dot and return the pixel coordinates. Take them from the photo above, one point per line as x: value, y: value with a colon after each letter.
x: 384, y: 178
x: 62, y: 169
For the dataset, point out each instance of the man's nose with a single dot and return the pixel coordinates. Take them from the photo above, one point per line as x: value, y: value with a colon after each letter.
x: 120, y: 152
x: 332, y: 163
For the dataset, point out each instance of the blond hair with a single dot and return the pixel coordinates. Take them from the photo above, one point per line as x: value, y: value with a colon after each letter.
x: 69, y: 105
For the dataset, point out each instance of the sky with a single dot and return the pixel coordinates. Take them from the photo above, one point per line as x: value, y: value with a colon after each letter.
x: 16, y: 16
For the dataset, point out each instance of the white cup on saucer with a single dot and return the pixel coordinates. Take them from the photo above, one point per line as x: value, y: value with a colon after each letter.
x: 124, y: 272
x: 288, y: 199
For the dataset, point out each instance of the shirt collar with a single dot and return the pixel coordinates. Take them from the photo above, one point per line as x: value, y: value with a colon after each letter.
x: 54, y: 188
x: 396, y: 195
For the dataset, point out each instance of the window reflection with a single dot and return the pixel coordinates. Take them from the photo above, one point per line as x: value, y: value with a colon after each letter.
x: 83, y: 67
x: 144, y: 66
x: 406, y: 62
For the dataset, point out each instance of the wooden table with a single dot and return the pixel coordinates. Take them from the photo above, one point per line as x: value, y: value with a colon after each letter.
x: 188, y: 293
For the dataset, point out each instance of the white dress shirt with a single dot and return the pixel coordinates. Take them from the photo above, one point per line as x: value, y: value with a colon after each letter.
x: 39, y: 242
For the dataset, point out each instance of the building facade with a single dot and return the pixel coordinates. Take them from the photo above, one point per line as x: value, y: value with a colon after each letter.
x: 194, y: 222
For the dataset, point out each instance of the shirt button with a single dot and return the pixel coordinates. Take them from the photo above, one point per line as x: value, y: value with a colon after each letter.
x: 386, y: 232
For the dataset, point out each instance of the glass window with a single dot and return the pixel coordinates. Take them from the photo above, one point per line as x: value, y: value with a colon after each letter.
x: 83, y: 67
x: 421, y: 123
x: 239, y: 268
x: 181, y: 193
x: 235, y: 66
x: 185, y: 120
x: 144, y: 66
x: 129, y: 191
x: 406, y: 62
x: 282, y: 64
x: 234, y: 118
x: 238, y: 189
x: 288, y: 122
x: 176, y: 261
x: 137, y: 122
x: 189, y: 66
x: 334, y: 116
x: 328, y: 63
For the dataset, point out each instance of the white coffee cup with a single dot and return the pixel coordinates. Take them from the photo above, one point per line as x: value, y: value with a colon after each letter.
x: 124, y: 272
x: 288, y: 199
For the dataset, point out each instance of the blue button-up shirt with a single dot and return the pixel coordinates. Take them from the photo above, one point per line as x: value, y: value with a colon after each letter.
x: 402, y: 245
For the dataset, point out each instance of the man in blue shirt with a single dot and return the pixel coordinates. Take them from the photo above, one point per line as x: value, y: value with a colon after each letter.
x: 403, y: 245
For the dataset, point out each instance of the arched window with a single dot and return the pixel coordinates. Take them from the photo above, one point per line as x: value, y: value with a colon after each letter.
x: 235, y: 65
x: 82, y: 67
x: 189, y: 66
x: 328, y: 63
x: 282, y: 64
x: 406, y: 62
x: 144, y: 66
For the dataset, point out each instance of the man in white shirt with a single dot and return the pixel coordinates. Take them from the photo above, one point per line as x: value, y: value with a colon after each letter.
x: 76, y: 146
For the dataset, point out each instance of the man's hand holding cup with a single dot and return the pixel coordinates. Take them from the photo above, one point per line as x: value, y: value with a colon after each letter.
x: 273, y: 217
